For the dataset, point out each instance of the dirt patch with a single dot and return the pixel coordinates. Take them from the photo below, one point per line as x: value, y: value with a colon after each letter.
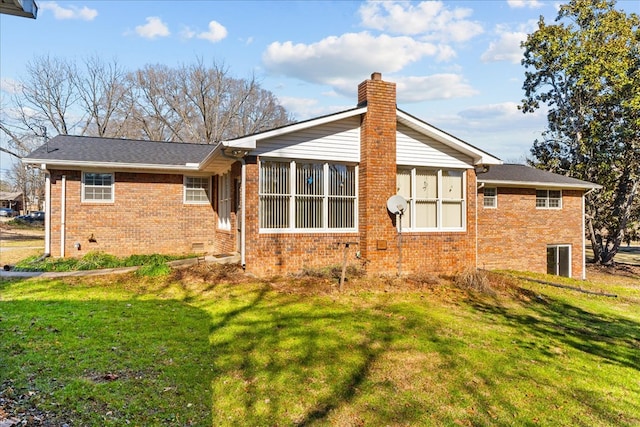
x: 10, y: 233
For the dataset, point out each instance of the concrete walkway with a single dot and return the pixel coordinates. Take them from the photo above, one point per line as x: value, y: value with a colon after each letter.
x: 182, y: 263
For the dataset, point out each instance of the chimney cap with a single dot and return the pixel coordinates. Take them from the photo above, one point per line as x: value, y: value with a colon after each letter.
x: 376, y: 76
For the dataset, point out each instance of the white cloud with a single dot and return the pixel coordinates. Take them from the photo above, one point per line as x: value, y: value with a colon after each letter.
x: 306, y: 108
x: 531, y: 4
x: 436, y: 86
x: 338, y: 60
x: 216, y: 32
x: 153, y: 28
x: 187, y: 33
x: 72, y: 12
x: 9, y: 86
x: 430, y: 20
x: 507, y: 46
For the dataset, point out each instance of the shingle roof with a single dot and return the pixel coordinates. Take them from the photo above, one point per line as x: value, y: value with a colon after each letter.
x: 125, y: 151
x: 513, y: 174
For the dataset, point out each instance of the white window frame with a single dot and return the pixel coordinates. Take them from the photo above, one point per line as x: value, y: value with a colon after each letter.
x: 292, y: 195
x: 547, y: 201
x: 491, y: 198
x: 411, y: 202
x: 186, y: 189
x: 557, y: 260
x: 85, y: 187
x: 224, y: 201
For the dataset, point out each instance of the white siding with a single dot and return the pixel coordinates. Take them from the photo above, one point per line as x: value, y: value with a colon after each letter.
x: 336, y: 141
x: 415, y: 149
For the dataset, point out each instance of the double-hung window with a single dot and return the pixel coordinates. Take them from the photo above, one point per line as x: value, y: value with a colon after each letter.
x: 97, y: 187
x: 490, y: 198
x: 435, y: 198
x: 307, y: 196
x: 197, y: 189
x: 224, y: 201
x: 548, y: 199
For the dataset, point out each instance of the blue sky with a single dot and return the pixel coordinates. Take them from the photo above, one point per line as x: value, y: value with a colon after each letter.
x: 456, y: 63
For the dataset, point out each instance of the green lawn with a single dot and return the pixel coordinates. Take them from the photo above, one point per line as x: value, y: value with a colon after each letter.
x: 192, y: 349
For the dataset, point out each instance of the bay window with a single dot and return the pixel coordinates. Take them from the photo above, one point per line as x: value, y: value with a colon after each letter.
x: 312, y: 196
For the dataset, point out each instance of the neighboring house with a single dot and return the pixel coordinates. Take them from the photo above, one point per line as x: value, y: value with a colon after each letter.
x: 11, y: 200
x: 298, y: 196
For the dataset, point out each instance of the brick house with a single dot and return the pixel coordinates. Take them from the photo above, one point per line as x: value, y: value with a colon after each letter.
x: 306, y: 194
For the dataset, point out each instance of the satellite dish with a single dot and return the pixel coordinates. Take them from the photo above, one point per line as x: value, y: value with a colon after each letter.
x: 397, y: 205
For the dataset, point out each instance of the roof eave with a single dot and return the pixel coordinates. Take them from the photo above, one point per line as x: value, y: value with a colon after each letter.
x: 48, y: 163
x: 250, y: 141
x: 538, y: 184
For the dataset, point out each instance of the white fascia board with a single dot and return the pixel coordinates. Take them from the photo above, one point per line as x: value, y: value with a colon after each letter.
x: 250, y: 141
x: 189, y: 167
x: 479, y: 157
x: 534, y: 184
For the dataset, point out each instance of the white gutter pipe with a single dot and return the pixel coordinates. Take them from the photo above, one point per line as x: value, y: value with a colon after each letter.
x: 47, y: 210
x: 63, y: 198
x: 243, y: 178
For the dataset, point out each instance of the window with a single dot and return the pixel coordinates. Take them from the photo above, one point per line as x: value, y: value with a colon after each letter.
x: 559, y: 260
x: 224, y: 201
x: 307, y: 196
x: 196, y: 189
x: 435, y: 198
x: 490, y: 197
x: 97, y: 187
x: 548, y: 199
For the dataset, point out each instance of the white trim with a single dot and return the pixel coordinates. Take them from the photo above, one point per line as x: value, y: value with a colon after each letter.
x: 584, y: 240
x: 47, y: 212
x: 83, y: 197
x: 224, y: 201
x: 558, y: 246
x: 548, y: 198
x: 251, y: 140
x: 479, y: 157
x: 536, y: 184
x: 184, y: 190
x: 70, y: 164
x: 63, y: 214
x: 325, y: 229
x: 439, y: 201
x: 494, y: 197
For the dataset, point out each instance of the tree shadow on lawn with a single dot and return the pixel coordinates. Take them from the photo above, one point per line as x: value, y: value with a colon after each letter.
x: 293, y: 360
x: 614, y: 339
x: 106, y: 362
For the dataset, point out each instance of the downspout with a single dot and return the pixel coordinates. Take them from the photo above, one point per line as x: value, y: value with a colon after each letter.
x: 243, y: 179
x: 478, y: 187
x: 63, y: 198
x: 47, y: 211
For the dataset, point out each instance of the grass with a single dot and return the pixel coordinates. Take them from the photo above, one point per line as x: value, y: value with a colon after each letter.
x: 153, y: 264
x: 207, y: 347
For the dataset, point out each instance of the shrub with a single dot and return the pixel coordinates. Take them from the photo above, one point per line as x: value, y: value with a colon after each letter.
x: 474, y: 280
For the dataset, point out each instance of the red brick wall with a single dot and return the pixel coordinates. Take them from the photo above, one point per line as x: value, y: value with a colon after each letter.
x: 268, y: 254
x: 516, y: 234
x: 148, y: 216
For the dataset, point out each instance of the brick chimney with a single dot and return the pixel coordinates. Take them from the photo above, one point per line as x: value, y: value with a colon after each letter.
x: 377, y: 170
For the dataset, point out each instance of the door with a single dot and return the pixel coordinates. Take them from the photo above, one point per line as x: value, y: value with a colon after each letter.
x: 559, y: 260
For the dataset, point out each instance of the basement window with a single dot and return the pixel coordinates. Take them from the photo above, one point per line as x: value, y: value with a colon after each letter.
x: 97, y: 187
